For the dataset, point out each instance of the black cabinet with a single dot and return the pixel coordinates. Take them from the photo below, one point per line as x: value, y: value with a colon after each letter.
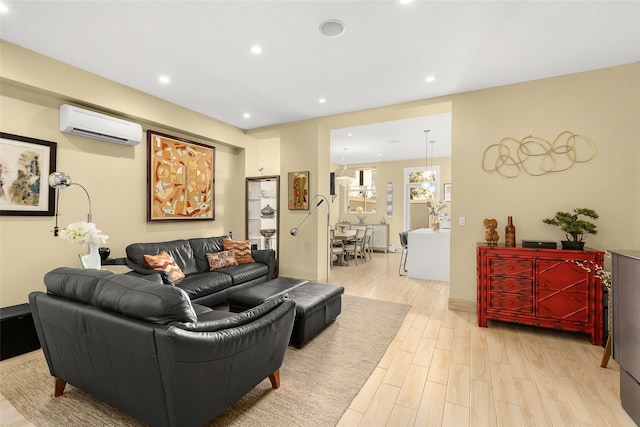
x: 17, y: 332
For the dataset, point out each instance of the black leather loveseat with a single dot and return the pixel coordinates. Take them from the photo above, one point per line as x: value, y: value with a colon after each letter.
x: 203, y: 286
x: 144, y: 348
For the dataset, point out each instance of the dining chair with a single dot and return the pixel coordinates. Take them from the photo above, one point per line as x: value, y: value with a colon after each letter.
x: 368, y: 243
x: 356, y: 249
x: 404, y: 238
x: 337, y: 248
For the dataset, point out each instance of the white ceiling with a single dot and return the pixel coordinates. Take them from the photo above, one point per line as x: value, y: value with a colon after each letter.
x: 383, y: 57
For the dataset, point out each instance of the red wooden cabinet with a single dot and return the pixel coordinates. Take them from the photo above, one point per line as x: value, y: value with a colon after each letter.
x: 550, y: 288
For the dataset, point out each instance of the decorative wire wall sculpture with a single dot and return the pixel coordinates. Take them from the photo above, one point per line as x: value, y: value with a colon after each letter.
x: 536, y: 156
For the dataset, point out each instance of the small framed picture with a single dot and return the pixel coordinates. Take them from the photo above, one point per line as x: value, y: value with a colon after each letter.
x: 447, y: 192
x: 299, y: 190
x: 25, y: 165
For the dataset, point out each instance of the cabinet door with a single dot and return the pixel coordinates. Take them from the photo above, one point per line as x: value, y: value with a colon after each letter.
x: 563, y: 291
x: 380, y: 239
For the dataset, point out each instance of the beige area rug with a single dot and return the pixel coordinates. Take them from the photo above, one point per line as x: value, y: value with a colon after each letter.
x: 318, y: 381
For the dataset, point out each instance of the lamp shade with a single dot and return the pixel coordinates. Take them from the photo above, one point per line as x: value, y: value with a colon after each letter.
x: 59, y: 180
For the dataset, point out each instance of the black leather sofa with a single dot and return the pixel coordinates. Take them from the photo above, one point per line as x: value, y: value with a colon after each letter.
x: 204, y: 287
x: 144, y: 348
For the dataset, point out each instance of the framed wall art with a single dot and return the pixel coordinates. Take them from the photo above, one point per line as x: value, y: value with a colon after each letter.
x: 25, y: 165
x: 181, y: 179
x: 447, y: 192
x: 299, y: 190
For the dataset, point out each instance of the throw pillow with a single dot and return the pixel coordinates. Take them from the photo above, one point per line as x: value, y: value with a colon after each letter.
x: 164, y: 262
x: 221, y: 259
x: 242, y: 250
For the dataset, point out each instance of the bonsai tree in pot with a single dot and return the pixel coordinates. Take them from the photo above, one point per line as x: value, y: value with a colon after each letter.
x: 575, y: 228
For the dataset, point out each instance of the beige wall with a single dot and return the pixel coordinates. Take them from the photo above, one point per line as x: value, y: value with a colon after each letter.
x: 602, y: 105
x: 114, y: 175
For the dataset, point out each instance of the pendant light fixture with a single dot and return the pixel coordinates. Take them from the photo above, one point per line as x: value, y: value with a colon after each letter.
x: 429, y: 174
x: 344, y: 176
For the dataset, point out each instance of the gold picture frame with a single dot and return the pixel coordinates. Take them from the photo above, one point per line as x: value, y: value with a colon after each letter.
x: 181, y: 179
x: 298, y: 190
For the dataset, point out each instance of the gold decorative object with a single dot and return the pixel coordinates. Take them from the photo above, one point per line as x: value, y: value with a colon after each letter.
x: 491, y: 235
x: 536, y: 156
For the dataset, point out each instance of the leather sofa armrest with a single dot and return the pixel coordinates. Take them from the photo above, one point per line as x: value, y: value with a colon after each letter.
x: 141, y: 272
x: 267, y: 257
x: 239, y: 319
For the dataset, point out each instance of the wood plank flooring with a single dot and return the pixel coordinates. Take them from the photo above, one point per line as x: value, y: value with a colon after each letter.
x: 443, y: 370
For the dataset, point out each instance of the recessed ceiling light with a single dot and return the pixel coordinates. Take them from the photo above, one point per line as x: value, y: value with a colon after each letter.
x: 256, y: 49
x: 4, y: 8
x: 332, y: 28
x: 246, y: 115
x: 322, y: 100
x: 430, y: 79
x: 394, y: 141
x: 164, y: 79
x: 349, y: 134
x: 405, y: 1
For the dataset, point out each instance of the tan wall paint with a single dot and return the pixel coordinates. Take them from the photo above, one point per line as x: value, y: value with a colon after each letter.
x: 114, y: 175
x: 603, y: 105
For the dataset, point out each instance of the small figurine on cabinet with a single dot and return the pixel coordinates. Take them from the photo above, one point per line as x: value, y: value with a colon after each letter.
x: 491, y: 235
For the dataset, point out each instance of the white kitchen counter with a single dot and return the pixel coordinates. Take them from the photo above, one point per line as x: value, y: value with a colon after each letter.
x: 428, y: 254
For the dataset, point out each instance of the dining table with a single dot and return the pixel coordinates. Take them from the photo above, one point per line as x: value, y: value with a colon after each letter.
x: 345, y: 234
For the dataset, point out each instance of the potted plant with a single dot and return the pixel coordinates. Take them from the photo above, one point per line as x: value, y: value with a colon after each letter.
x: 574, y: 227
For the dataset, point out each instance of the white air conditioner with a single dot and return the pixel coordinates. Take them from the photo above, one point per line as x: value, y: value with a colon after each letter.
x: 79, y: 121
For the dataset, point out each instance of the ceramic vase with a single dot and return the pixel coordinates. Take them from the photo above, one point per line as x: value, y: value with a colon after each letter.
x: 93, y: 261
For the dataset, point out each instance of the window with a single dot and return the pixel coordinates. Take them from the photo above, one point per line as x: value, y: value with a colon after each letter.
x: 361, y: 192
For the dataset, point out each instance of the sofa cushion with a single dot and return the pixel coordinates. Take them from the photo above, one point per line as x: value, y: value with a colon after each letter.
x: 74, y: 283
x: 201, y: 284
x: 242, y: 250
x: 164, y: 262
x: 202, y: 246
x: 180, y: 251
x: 143, y: 300
x: 222, y: 259
x: 245, y: 272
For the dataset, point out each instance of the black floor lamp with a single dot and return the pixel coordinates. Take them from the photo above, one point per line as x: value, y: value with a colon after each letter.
x: 294, y: 230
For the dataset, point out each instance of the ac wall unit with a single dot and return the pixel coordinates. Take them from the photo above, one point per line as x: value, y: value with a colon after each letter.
x: 91, y: 124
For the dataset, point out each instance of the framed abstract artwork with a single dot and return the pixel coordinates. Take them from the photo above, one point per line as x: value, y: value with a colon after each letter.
x: 181, y: 179
x: 299, y: 190
x: 25, y: 165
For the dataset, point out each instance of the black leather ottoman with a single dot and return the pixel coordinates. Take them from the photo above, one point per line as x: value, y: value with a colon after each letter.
x: 317, y: 304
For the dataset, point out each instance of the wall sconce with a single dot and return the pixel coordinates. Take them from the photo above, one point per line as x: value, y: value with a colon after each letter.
x: 60, y: 181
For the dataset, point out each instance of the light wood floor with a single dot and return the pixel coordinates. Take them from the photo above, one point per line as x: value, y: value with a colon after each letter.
x: 443, y: 370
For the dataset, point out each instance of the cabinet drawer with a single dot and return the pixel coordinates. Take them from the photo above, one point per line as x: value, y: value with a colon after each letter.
x: 511, y: 267
x: 511, y: 302
x: 512, y: 285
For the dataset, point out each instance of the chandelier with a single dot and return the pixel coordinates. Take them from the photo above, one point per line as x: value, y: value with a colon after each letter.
x: 344, y: 176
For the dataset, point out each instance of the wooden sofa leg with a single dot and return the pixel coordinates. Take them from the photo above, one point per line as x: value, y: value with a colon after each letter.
x: 59, y: 387
x: 275, y: 379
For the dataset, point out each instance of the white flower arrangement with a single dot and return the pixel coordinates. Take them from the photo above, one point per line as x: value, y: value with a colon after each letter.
x: 83, y: 232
